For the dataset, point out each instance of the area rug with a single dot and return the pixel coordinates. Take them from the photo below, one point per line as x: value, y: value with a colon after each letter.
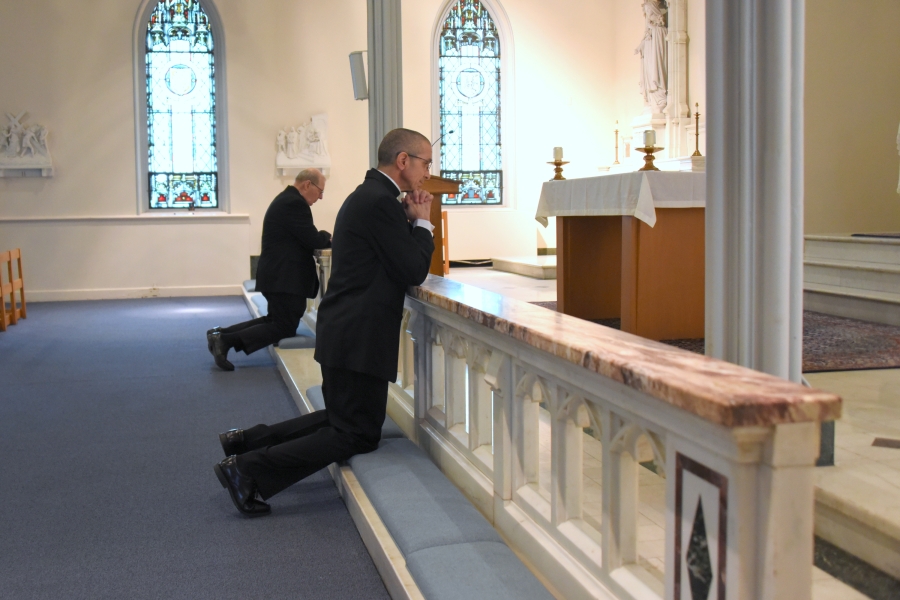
x: 829, y: 343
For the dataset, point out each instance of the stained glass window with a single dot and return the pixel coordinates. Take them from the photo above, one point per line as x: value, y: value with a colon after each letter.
x: 181, y: 107
x: 469, y: 64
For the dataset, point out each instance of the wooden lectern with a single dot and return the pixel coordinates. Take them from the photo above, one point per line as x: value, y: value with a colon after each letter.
x: 438, y: 186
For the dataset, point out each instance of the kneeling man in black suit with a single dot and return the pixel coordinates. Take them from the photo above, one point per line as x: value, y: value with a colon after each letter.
x: 286, y: 273
x: 382, y: 246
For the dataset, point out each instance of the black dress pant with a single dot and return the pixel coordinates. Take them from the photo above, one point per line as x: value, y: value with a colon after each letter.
x: 284, y: 314
x: 280, y: 455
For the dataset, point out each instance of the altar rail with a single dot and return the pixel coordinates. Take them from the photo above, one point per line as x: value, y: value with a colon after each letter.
x: 615, y: 466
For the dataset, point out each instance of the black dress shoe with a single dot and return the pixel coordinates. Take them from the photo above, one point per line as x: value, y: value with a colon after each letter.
x: 241, y: 488
x: 233, y: 442
x: 220, y: 352
x: 209, y: 337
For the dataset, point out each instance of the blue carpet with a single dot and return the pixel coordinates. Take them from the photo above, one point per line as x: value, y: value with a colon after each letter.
x: 111, y: 411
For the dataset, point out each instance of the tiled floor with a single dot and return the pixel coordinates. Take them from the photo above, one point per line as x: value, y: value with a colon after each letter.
x: 871, y: 408
x: 865, y: 478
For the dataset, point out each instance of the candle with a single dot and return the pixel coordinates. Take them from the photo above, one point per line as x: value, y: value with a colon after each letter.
x: 649, y: 138
x: 557, y: 153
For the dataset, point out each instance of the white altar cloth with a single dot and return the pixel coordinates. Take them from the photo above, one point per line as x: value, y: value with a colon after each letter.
x: 638, y: 194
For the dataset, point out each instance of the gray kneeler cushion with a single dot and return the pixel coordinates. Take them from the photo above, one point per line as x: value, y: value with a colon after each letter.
x: 473, y: 570
x: 250, y: 285
x: 390, y: 430
x: 261, y: 303
x: 305, y: 338
x: 419, y: 506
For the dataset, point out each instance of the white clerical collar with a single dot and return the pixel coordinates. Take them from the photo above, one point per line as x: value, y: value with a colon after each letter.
x: 399, y: 191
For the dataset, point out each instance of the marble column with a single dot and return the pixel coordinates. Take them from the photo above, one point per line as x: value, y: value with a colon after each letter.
x: 677, y: 111
x: 754, y: 244
x: 754, y: 211
x: 385, y: 72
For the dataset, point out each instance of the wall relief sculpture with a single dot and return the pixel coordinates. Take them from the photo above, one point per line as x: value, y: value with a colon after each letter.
x: 23, y: 149
x: 303, y: 146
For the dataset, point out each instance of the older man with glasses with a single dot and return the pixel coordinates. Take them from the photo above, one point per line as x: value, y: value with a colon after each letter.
x: 286, y: 274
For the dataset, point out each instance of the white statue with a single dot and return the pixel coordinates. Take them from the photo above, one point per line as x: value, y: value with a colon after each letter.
x: 654, y: 77
x: 12, y: 135
x: 42, y: 139
x: 292, y: 138
x: 29, y: 141
x: 282, y: 141
x: 315, y: 135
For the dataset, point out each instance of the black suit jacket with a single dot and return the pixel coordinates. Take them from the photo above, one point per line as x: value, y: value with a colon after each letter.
x: 377, y: 255
x: 286, y: 264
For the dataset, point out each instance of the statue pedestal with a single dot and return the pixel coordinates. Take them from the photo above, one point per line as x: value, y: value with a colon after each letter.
x: 696, y: 164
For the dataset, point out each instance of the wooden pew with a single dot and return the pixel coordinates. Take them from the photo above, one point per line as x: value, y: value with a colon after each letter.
x: 9, y: 289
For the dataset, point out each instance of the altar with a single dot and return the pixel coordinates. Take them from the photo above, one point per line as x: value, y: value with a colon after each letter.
x: 631, y: 246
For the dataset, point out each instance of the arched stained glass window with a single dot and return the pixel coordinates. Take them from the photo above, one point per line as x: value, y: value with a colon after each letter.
x: 469, y: 66
x: 181, y: 107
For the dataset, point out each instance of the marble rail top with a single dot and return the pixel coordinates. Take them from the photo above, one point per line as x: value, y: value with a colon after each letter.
x: 714, y: 390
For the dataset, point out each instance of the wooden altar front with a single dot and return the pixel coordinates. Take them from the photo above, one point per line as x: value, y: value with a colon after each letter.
x: 618, y: 266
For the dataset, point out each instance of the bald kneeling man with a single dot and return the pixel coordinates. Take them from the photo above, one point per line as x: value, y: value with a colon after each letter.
x: 286, y: 274
x: 382, y: 245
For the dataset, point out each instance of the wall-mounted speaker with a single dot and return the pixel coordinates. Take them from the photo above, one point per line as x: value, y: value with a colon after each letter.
x: 358, y: 73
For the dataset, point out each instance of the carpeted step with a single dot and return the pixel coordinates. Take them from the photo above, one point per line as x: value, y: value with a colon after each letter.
x: 451, y: 550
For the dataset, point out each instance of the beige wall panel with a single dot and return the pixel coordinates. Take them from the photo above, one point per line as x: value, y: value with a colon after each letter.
x: 852, y: 108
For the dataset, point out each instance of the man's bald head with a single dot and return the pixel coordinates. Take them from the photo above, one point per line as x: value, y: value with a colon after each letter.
x: 313, y: 175
x: 400, y: 140
x: 311, y: 185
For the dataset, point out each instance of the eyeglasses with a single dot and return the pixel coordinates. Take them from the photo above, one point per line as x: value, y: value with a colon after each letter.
x: 427, y: 162
x: 321, y: 191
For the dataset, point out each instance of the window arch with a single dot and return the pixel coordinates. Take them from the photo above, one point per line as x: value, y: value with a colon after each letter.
x: 180, y: 126
x: 469, y: 85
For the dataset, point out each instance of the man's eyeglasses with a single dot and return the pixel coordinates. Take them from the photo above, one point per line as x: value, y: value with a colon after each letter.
x: 321, y: 191
x: 427, y: 162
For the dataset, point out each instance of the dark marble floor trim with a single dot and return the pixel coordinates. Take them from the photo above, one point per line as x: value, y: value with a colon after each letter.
x: 859, y: 575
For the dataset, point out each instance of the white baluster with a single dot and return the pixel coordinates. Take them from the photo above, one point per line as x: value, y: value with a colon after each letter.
x: 567, y: 487
x: 498, y: 375
x: 620, y: 496
x: 480, y: 398
x: 454, y: 380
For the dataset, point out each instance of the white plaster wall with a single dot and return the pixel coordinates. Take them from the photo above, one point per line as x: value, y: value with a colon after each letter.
x: 574, y: 74
x: 563, y: 78
x: 71, y: 66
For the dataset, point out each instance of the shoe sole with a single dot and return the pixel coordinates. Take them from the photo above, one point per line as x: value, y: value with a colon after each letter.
x: 221, y: 476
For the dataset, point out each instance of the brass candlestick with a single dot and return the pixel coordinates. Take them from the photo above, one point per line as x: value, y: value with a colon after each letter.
x: 558, y: 170
x: 617, y: 143
x: 697, y: 131
x: 648, y: 159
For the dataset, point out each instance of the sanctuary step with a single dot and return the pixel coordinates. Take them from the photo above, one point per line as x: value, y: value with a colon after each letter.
x: 853, y: 277
x: 537, y: 267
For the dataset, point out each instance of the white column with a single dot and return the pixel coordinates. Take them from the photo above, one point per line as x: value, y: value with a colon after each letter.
x: 385, y: 72
x: 677, y: 108
x: 754, y: 212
